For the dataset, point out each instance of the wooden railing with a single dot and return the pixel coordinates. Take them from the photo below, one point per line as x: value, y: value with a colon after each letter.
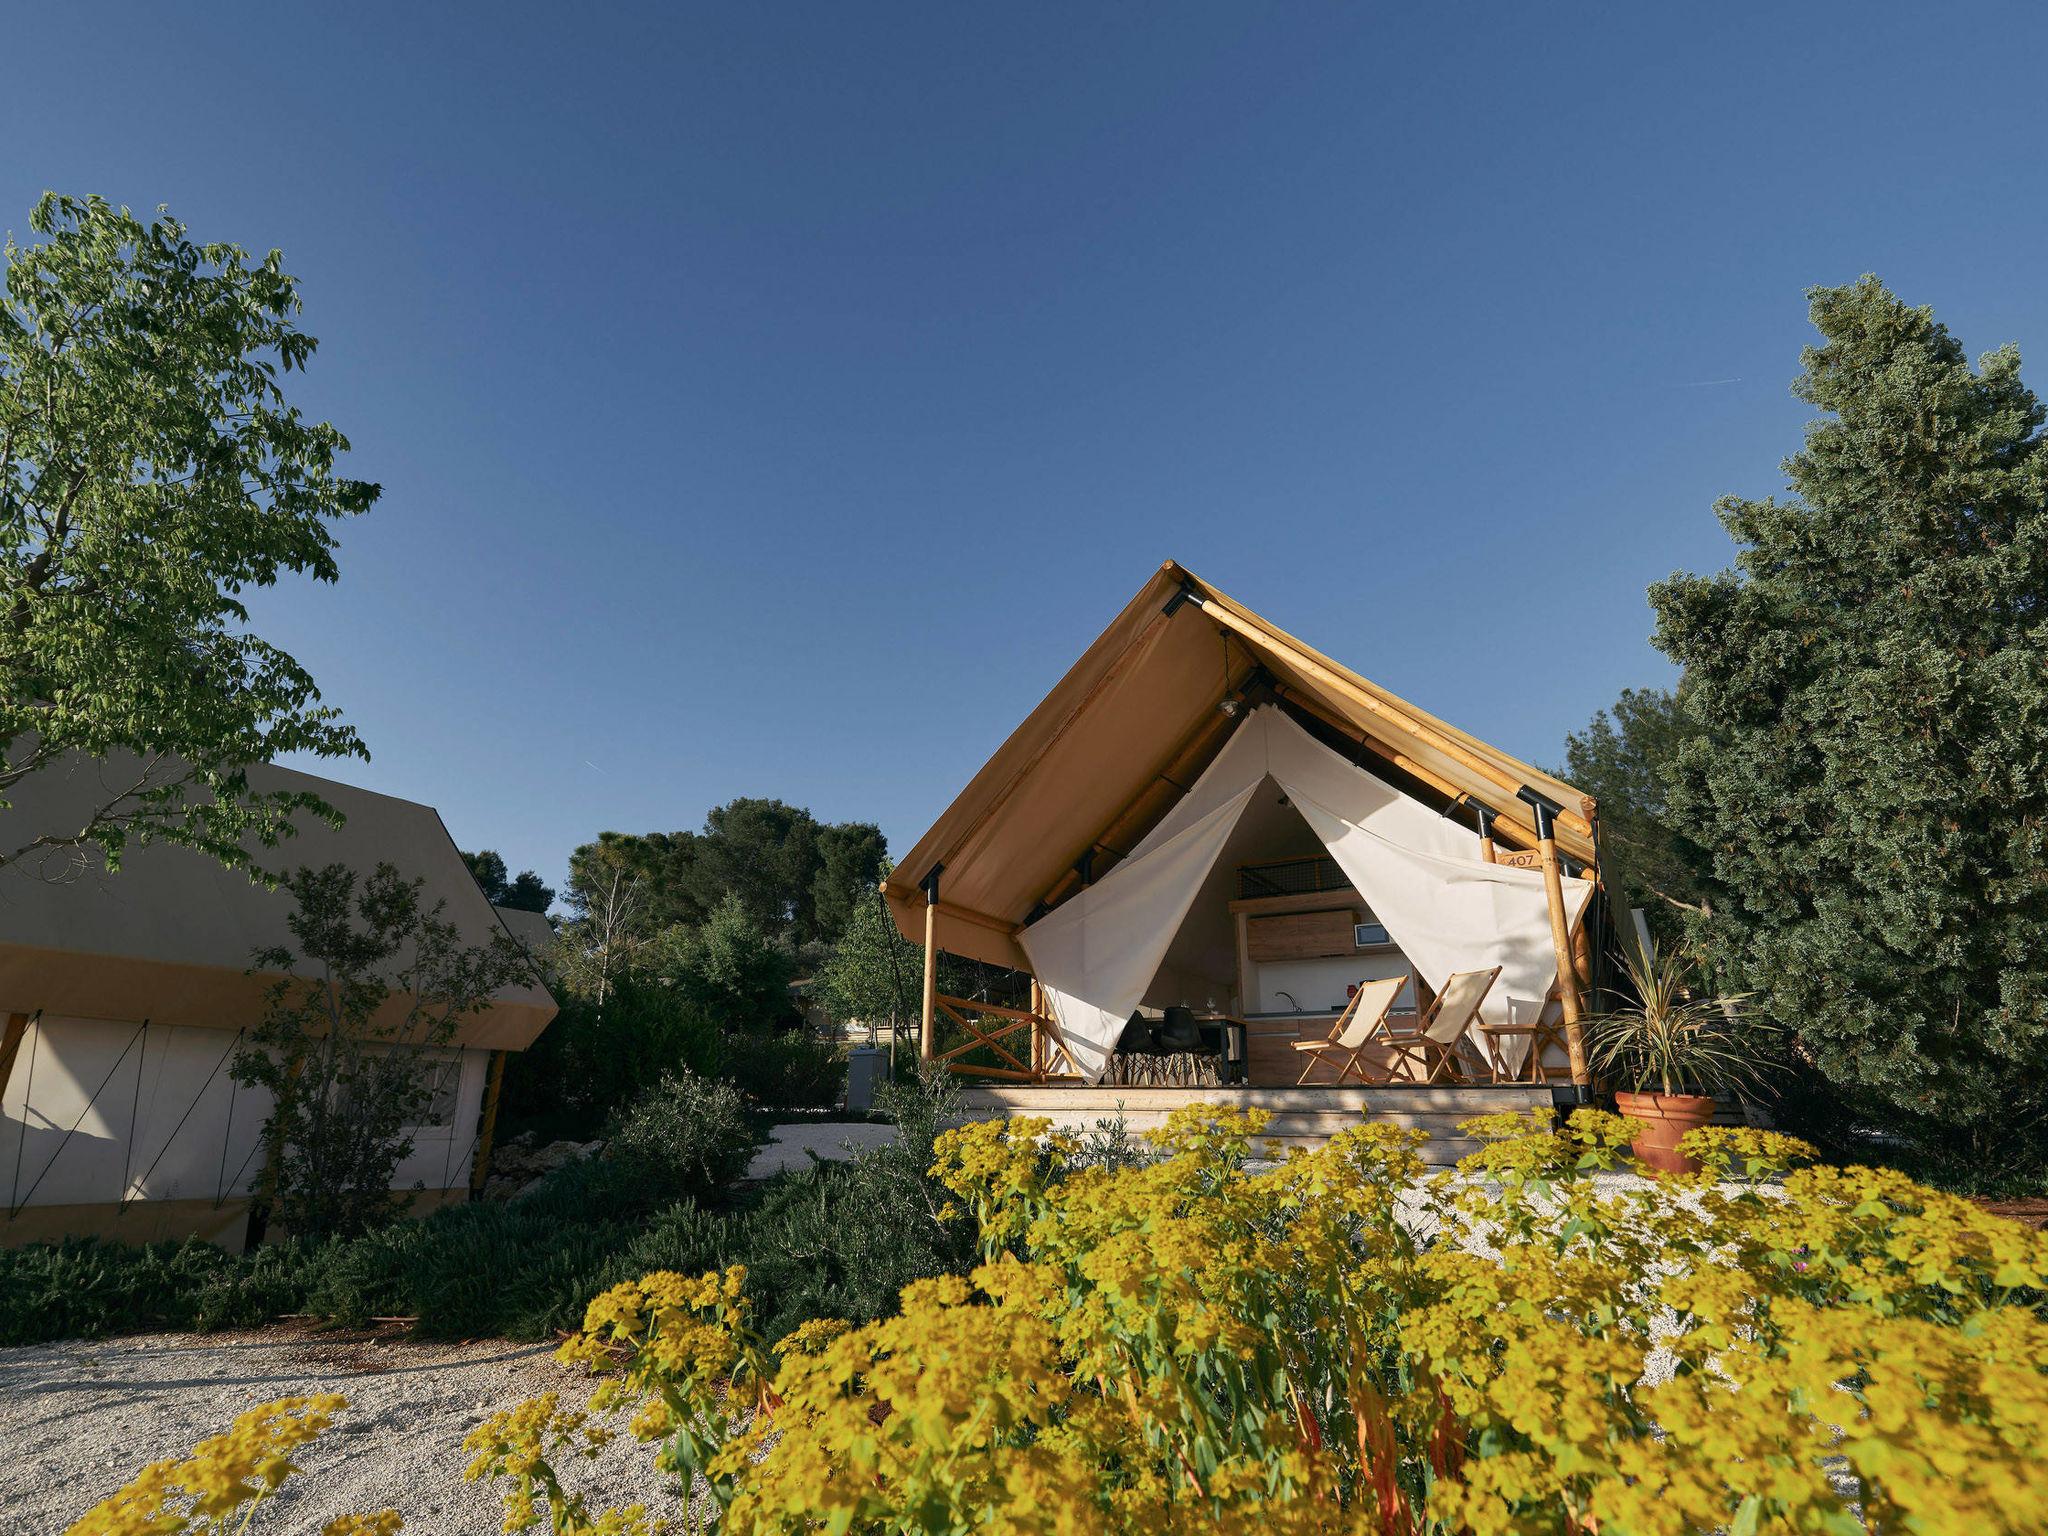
x: 1044, y: 1059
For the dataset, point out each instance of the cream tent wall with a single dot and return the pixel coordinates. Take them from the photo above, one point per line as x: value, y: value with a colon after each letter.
x: 1442, y: 905
x: 124, y: 995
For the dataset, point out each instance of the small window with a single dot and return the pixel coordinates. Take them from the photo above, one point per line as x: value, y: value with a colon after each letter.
x: 1369, y: 936
x: 441, y: 1078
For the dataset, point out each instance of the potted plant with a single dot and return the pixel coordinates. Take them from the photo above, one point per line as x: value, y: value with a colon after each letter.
x: 1673, y: 1048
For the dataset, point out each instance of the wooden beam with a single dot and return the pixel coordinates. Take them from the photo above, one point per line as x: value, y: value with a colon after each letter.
x: 10, y: 1047
x: 1561, y: 943
x: 1138, y: 645
x: 480, y: 1161
x: 1456, y: 750
x: 928, y: 1019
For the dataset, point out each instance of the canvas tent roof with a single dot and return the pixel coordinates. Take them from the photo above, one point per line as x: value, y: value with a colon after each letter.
x: 1116, y: 743
x: 170, y: 937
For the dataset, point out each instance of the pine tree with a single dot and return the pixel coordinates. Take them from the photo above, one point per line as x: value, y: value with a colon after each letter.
x: 1870, y: 784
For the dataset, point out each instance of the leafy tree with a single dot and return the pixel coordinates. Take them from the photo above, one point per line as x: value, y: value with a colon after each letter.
x: 658, y: 867
x: 607, y: 930
x: 151, y: 469
x: 348, y: 1044
x: 1624, y: 759
x: 598, y: 1056
x: 1871, y: 787
x: 527, y: 893
x: 873, y: 975
x: 797, y: 879
x: 852, y: 858
x: 729, y: 967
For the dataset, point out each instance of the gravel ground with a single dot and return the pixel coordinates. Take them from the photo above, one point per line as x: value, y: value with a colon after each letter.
x: 835, y: 1141
x: 82, y: 1417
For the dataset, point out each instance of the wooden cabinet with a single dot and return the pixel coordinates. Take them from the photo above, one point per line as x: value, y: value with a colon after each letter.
x: 1300, y: 935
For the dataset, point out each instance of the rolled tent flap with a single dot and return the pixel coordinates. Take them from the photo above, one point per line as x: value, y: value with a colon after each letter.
x: 1445, y: 908
x: 1095, y: 955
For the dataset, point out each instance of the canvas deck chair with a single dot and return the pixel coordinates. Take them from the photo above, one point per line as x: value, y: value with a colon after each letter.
x: 1430, y: 1046
x: 1357, y: 1025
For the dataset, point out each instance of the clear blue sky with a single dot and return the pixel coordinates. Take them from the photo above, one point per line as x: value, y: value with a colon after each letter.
x: 774, y: 399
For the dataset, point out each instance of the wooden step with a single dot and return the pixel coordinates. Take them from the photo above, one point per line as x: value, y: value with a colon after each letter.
x: 1443, y: 1100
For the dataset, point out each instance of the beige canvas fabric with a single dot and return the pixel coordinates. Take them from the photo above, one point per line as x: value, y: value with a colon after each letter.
x: 170, y: 937
x: 1444, y: 908
x: 1094, y: 756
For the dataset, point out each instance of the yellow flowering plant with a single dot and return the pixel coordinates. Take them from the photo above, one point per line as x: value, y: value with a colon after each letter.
x: 217, y: 1489
x: 1336, y: 1340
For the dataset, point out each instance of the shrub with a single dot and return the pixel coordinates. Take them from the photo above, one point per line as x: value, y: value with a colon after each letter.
x: 597, y: 1057
x: 691, y: 1135
x: 789, y: 1069
x: 88, y: 1286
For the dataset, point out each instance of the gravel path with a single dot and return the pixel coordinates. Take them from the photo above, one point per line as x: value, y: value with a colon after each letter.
x: 80, y: 1418
x: 833, y: 1141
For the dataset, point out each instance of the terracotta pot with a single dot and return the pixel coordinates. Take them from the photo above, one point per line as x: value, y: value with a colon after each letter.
x: 1666, y: 1117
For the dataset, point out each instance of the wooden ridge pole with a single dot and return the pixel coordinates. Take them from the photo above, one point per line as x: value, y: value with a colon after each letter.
x: 1450, y: 747
x: 10, y: 1047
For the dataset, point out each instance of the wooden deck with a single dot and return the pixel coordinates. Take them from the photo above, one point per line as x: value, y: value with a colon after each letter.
x: 1303, y: 1117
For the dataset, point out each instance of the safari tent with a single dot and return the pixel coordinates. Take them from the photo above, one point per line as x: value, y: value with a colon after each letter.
x: 123, y: 997
x: 1206, y: 814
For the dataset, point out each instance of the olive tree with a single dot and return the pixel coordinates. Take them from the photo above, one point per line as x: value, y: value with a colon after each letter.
x: 351, y: 1038
x: 151, y: 472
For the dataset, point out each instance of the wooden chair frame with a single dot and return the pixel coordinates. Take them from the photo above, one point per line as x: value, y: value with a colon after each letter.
x: 1354, y: 1029
x: 1437, y: 1056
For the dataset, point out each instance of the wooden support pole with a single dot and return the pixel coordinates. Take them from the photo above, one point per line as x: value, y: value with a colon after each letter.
x: 1484, y: 815
x: 927, y: 1034
x: 480, y: 1162
x: 1560, y: 936
x: 10, y: 1047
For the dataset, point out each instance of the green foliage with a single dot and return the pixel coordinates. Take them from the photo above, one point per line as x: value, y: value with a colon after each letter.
x: 690, y: 1134
x: 1673, y: 1039
x: 345, y: 1048
x: 1871, y: 782
x: 1623, y: 759
x: 789, y: 1069
x: 526, y: 893
x: 150, y: 469
x: 832, y: 1241
x: 729, y: 967
x: 596, y: 1056
x: 873, y: 974
x: 88, y: 1286
x: 797, y: 879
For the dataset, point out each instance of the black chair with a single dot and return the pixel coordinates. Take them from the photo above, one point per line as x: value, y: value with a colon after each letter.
x: 1140, y: 1037
x: 1178, y: 1034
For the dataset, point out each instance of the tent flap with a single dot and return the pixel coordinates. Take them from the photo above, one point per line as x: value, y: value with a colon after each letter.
x: 1445, y: 908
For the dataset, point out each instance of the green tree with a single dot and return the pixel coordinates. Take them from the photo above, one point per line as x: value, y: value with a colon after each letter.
x: 873, y: 975
x: 1871, y: 784
x: 349, y: 1047
x: 797, y: 878
x: 729, y: 967
x: 151, y: 469
x: 526, y: 893
x: 1624, y: 759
